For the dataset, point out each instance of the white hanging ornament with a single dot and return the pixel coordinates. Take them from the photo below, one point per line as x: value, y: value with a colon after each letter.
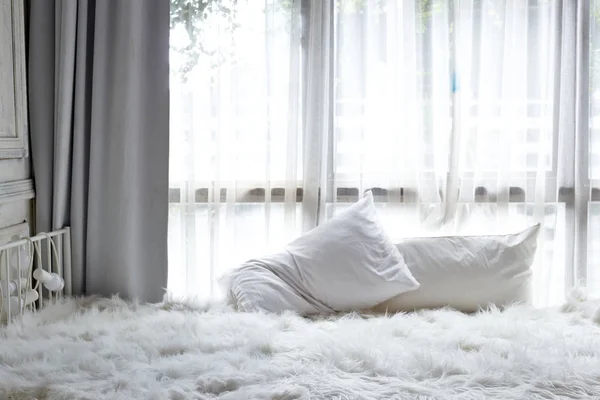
x: 11, y: 287
x: 27, y: 298
x: 51, y: 281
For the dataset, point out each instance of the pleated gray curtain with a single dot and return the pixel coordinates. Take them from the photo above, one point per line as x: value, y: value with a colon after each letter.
x: 98, y: 74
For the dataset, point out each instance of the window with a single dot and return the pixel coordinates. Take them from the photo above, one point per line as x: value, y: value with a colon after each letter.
x: 285, y: 111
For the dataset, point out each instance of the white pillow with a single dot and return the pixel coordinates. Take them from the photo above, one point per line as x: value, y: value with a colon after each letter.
x: 347, y: 263
x: 263, y: 285
x: 467, y: 272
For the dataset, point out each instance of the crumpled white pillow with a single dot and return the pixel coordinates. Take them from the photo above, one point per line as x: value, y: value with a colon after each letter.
x: 467, y: 272
x: 262, y: 284
x: 347, y: 263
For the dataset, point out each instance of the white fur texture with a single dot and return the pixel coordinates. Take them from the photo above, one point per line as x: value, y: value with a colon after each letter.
x: 110, y: 349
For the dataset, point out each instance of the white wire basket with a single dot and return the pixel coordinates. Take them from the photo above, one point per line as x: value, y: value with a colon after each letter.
x: 34, y: 271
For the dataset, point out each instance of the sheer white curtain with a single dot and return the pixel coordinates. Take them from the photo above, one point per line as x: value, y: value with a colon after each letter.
x: 465, y: 116
x: 235, y: 141
x: 496, y: 170
x: 590, y: 165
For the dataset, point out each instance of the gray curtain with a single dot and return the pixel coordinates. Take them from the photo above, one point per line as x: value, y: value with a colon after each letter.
x: 98, y: 76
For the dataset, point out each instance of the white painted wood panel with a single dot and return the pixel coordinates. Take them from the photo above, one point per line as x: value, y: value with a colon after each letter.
x: 7, y: 84
x: 15, y: 169
x: 13, y: 88
x: 8, y: 233
x: 15, y: 213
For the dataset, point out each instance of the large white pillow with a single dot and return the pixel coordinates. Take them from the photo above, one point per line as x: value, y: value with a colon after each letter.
x: 347, y: 263
x: 467, y: 272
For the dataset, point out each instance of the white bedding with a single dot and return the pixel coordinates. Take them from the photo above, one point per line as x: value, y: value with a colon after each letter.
x: 109, y: 349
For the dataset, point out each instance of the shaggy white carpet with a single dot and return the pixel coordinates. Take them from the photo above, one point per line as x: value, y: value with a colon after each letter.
x: 110, y: 349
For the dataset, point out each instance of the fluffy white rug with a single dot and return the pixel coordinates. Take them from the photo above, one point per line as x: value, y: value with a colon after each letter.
x: 110, y: 349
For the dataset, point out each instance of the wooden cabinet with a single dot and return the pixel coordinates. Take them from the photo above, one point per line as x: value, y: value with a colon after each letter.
x: 16, y: 185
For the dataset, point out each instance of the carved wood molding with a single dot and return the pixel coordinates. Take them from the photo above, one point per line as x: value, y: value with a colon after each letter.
x: 16, y: 190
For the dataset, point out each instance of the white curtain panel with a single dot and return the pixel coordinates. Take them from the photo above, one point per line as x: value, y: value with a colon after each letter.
x: 463, y: 117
